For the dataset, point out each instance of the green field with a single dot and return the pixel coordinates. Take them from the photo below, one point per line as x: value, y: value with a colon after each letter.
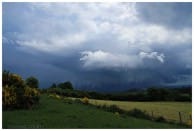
x: 54, y: 113
x: 169, y: 110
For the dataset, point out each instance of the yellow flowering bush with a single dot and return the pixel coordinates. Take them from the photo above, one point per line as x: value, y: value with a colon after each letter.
x: 31, y: 92
x: 16, y: 94
x: 19, y: 97
x: 16, y: 81
x: 9, y: 96
x: 31, y: 96
x: 85, y: 100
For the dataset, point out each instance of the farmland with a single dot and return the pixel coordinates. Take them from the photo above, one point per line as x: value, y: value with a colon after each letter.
x: 54, y: 113
x: 26, y: 106
x: 169, y: 110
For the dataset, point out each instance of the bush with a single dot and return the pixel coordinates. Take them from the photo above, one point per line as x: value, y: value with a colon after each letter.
x: 32, y: 82
x: 116, y: 114
x: 17, y: 95
x: 160, y: 119
x: 31, y: 97
x: 17, y: 98
x: 66, y: 85
x: 15, y: 80
x: 111, y: 108
x: 68, y: 101
x: 77, y: 101
x: 9, y: 97
x: 138, y: 113
x: 114, y: 108
x: 55, y: 96
x: 85, y: 100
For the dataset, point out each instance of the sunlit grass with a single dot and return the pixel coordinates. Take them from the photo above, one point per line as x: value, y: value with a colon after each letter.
x: 169, y: 110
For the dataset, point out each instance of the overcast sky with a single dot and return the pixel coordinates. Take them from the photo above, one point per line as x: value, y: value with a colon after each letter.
x: 99, y: 46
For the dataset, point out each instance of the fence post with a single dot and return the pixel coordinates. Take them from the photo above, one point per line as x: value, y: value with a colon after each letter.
x: 180, y: 118
x: 152, y: 115
x: 190, y: 117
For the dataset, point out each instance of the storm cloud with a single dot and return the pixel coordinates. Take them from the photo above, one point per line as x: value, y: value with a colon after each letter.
x: 99, y: 46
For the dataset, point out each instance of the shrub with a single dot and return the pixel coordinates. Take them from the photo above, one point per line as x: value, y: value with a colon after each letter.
x: 17, y: 95
x: 66, y: 85
x: 57, y: 96
x: 114, y: 108
x: 104, y: 106
x: 138, y: 113
x: 31, y: 92
x: 9, y: 97
x: 51, y: 95
x: 160, y: 119
x: 85, y: 100
x: 32, y: 82
x: 77, y: 101
x: 31, y: 97
x: 117, y: 114
x: 15, y: 80
x: 68, y: 101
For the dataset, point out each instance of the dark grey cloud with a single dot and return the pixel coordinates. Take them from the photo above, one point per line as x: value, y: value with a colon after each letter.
x: 172, y: 15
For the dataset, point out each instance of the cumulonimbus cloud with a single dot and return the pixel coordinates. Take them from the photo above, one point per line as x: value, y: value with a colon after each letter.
x: 109, y: 35
x: 114, y: 30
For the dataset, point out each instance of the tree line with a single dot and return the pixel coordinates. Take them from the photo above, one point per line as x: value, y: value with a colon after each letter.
x: 13, y: 81
x: 149, y: 94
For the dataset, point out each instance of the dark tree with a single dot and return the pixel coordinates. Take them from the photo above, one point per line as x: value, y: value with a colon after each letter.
x: 66, y: 85
x: 6, y: 76
x: 32, y: 82
x: 53, y: 85
x: 153, y: 94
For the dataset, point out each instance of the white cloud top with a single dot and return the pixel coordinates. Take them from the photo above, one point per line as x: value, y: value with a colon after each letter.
x: 152, y: 55
x: 101, y: 59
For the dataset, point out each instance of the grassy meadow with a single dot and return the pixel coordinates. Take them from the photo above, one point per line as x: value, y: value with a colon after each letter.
x: 55, y: 113
x: 169, y: 110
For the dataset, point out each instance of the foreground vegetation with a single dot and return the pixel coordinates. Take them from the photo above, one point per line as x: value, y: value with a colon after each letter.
x: 56, y: 113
